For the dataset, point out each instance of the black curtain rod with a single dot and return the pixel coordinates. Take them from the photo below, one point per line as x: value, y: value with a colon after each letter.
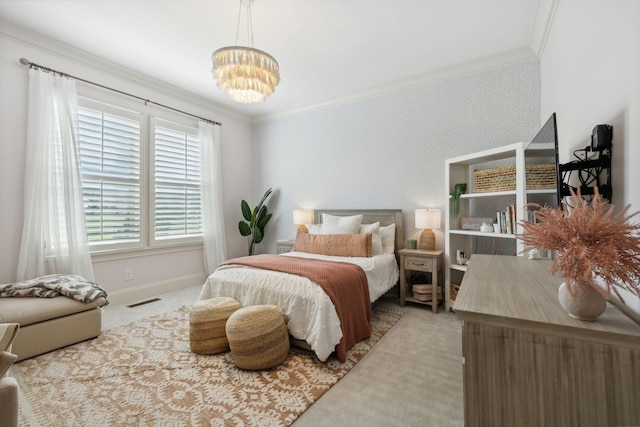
x: 24, y: 61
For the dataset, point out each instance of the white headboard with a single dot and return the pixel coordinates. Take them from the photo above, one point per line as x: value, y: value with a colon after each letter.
x: 369, y: 216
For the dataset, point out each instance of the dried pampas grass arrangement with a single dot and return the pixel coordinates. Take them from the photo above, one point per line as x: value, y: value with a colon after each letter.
x: 589, y: 240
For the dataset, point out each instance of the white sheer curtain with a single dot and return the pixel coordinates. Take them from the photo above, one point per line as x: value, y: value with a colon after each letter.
x: 215, y: 248
x: 54, y: 238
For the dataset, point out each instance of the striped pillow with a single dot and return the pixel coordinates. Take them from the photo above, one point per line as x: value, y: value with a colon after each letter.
x: 351, y: 245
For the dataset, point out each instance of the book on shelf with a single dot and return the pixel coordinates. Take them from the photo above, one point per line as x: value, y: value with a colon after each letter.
x: 507, y: 220
x: 532, y: 217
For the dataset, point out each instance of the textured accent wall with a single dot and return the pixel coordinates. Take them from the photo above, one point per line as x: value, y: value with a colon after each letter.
x: 389, y: 151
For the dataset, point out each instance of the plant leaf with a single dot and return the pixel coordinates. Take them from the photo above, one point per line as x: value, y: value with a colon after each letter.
x: 246, y: 210
x: 254, y: 216
x: 261, y: 213
x: 257, y: 236
x: 263, y: 222
x: 266, y: 194
x: 244, y: 228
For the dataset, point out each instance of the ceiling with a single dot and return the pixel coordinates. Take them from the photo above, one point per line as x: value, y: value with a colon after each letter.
x: 329, y: 50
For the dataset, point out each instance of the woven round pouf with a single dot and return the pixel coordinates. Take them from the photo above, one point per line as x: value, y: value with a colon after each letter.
x: 258, y: 337
x: 207, y: 320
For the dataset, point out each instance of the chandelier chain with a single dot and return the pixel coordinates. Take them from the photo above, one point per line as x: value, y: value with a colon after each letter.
x: 239, y: 18
x: 249, y: 22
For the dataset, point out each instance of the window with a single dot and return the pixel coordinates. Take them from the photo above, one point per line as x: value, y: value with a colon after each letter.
x: 177, y: 211
x: 110, y: 168
x: 140, y: 179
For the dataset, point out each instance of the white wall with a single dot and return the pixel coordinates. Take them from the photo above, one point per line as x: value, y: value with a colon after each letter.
x: 590, y: 72
x: 389, y: 151
x: 164, y: 270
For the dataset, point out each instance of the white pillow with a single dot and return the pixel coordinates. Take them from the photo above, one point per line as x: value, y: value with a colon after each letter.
x: 370, y: 228
x: 376, y: 244
x: 314, y: 228
x: 388, y: 235
x: 376, y: 239
x: 332, y: 224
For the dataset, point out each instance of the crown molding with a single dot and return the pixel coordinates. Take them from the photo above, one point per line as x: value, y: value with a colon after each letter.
x: 542, y: 23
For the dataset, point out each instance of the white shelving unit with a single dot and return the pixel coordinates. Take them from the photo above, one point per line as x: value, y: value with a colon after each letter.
x: 460, y: 170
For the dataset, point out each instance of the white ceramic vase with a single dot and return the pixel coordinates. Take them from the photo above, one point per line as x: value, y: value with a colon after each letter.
x: 486, y: 228
x: 587, y: 305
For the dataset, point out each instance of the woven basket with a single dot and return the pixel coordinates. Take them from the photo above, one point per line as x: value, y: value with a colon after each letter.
x: 453, y: 291
x: 424, y: 292
x: 207, y: 322
x: 538, y: 176
x: 258, y: 337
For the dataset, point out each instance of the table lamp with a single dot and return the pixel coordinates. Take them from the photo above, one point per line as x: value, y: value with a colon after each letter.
x: 302, y: 217
x: 427, y: 219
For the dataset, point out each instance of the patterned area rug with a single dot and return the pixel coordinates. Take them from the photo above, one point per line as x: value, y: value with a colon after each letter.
x: 144, y: 374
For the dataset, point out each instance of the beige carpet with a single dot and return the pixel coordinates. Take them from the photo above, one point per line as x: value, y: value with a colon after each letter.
x: 145, y: 374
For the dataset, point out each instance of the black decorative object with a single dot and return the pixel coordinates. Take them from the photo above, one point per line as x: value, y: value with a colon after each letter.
x: 591, y: 168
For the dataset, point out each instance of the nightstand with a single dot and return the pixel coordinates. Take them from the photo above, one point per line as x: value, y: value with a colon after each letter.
x: 423, y: 261
x: 284, y: 246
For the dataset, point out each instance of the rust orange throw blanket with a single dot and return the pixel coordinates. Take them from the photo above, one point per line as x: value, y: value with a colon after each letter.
x: 344, y: 283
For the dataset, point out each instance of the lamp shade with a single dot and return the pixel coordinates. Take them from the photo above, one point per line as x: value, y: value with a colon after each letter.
x: 427, y: 218
x: 303, y: 216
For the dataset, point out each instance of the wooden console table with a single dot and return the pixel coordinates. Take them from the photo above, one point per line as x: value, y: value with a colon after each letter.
x: 527, y: 363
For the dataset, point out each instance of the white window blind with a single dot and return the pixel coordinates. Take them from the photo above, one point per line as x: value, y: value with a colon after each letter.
x: 140, y: 178
x: 110, y: 166
x: 176, y: 165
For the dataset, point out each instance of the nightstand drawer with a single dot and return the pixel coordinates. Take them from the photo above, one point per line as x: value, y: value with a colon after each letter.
x: 418, y: 263
x: 284, y: 246
x: 283, y: 249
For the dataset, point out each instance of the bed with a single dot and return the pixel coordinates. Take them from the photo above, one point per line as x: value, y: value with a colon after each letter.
x: 312, y: 318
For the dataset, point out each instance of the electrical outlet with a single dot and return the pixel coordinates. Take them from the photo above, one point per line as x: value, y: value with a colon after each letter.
x: 128, y: 274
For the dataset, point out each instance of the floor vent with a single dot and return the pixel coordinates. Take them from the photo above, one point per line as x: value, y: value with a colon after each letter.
x: 143, y: 302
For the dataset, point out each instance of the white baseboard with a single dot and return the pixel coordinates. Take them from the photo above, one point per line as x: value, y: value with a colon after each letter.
x: 151, y: 290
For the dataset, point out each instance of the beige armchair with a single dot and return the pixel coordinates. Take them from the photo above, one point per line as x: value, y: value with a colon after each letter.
x: 9, y: 404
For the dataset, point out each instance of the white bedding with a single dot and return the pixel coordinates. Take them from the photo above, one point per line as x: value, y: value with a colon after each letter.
x: 309, y: 312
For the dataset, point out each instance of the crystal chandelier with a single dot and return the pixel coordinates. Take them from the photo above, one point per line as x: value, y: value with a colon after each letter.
x: 246, y: 74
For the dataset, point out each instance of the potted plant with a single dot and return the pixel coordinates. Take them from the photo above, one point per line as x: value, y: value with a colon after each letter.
x: 458, y: 190
x: 591, y: 243
x: 255, y: 221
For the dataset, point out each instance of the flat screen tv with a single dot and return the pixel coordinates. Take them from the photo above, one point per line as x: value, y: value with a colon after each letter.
x: 549, y: 134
